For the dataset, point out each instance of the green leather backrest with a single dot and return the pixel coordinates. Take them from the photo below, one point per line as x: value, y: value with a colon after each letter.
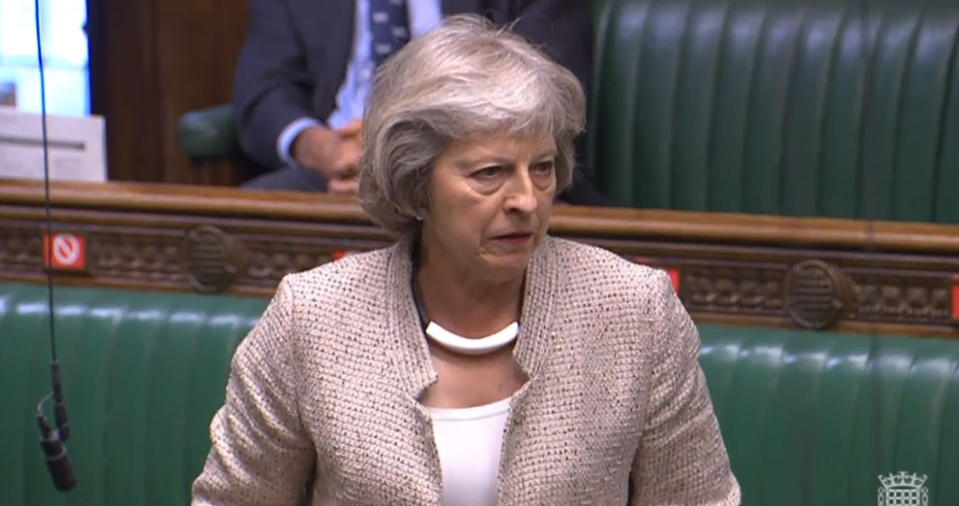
x: 808, y: 418
x: 789, y: 107
x: 143, y: 374
x: 813, y: 418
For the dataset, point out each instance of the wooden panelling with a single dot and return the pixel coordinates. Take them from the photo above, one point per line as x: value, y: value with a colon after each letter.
x: 124, y: 85
x: 151, y: 62
x: 746, y: 269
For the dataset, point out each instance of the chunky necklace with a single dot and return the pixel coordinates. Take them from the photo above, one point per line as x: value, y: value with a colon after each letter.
x: 457, y: 343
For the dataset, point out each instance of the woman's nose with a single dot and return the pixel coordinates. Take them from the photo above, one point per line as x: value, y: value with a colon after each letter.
x: 522, y: 197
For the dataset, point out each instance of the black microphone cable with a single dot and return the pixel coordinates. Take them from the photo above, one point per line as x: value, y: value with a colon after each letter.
x: 51, y: 439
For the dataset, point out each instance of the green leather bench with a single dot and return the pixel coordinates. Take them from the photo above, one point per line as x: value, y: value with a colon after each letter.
x: 780, y: 107
x: 143, y: 374
x: 809, y: 418
x: 784, y: 107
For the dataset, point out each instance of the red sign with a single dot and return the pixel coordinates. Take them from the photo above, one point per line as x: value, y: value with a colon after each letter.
x: 343, y: 253
x: 673, y: 272
x: 674, y: 276
x: 68, y: 251
x: 955, y: 297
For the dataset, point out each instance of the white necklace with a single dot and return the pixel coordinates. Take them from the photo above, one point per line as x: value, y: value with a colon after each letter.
x: 467, y: 346
x: 458, y: 343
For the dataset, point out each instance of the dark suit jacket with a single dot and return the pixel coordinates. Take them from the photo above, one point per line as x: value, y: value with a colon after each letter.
x: 294, y: 59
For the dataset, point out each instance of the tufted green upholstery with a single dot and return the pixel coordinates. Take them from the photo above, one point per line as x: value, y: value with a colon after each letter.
x: 812, y: 418
x: 790, y: 107
x: 809, y: 418
x: 143, y: 374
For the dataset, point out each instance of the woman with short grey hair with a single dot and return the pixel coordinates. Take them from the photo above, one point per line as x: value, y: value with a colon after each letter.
x: 477, y: 361
x: 450, y: 84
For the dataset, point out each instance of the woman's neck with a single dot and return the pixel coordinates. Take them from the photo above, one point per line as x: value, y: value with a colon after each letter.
x: 464, y: 302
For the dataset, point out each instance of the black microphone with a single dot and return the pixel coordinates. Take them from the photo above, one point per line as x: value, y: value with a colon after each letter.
x: 60, y: 406
x: 58, y: 460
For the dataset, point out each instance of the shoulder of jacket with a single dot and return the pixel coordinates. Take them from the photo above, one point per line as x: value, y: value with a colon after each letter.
x: 593, y: 272
x: 347, y: 275
x: 599, y: 262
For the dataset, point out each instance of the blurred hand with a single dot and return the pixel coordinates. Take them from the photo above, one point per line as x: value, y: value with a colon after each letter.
x: 334, y: 154
x: 349, y: 182
x: 353, y: 129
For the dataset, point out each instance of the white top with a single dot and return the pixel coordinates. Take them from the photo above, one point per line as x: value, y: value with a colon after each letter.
x: 469, y: 441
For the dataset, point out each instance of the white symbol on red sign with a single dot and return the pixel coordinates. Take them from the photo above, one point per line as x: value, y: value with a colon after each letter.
x: 66, y: 249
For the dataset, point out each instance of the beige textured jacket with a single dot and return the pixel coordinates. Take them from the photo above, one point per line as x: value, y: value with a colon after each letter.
x: 328, y: 380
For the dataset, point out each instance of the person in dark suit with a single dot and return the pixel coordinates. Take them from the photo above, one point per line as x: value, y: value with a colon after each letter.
x: 306, y: 67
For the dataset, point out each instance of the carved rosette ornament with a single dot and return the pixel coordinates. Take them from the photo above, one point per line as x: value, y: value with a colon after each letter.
x: 817, y: 294
x: 211, y: 258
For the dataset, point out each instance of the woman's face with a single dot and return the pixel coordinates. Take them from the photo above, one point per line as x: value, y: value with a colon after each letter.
x: 491, y: 198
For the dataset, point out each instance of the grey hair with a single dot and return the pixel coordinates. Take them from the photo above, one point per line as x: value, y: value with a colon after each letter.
x: 462, y: 78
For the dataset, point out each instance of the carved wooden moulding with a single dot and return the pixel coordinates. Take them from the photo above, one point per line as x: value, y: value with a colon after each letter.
x: 817, y: 274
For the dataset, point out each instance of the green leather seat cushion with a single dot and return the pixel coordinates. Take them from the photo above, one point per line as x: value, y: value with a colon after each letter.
x: 808, y: 417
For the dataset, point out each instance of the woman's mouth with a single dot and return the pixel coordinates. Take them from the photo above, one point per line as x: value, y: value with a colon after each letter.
x: 517, y: 239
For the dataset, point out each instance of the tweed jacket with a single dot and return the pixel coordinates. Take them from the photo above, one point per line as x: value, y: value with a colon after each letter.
x: 325, y: 389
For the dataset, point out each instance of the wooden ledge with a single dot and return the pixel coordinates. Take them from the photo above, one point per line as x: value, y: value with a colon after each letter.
x: 730, y: 268
x: 726, y: 228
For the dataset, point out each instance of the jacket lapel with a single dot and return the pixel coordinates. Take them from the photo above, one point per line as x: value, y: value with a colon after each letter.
x: 410, y: 363
x: 536, y: 320
x: 334, y: 35
x: 411, y: 357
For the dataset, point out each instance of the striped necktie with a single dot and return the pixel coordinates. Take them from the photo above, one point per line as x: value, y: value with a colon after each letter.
x: 389, y: 24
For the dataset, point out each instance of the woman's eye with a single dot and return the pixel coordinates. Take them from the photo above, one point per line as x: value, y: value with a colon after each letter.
x: 488, y: 172
x: 544, y: 167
